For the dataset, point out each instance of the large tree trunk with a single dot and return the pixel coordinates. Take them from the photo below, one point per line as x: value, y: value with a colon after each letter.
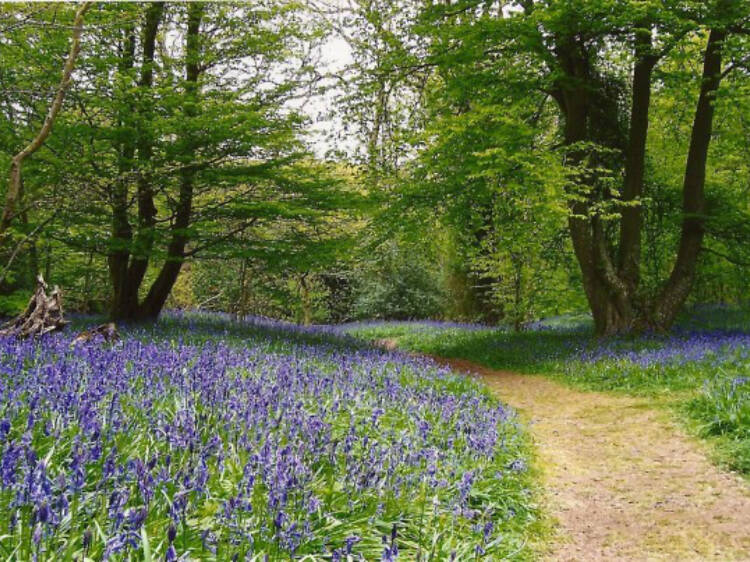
x: 606, y: 294
x: 162, y: 286
x: 611, y: 309
x: 132, y: 251
x: 145, y: 236
x: 122, y: 232
x: 677, y: 287
x: 16, y: 163
x: 631, y: 222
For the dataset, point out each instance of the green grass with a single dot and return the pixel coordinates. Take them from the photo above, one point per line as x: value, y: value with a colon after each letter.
x: 721, y: 413
x: 526, y: 352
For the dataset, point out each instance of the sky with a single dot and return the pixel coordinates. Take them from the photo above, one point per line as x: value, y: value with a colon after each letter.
x: 327, y: 131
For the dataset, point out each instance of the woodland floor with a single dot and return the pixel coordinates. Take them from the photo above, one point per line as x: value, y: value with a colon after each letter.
x: 622, y: 480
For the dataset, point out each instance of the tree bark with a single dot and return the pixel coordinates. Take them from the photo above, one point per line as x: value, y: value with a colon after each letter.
x: 144, y: 239
x: 631, y: 221
x: 160, y: 289
x: 677, y: 287
x: 605, y: 293
x: 127, y: 272
x: 122, y: 232
x: 16, y: 165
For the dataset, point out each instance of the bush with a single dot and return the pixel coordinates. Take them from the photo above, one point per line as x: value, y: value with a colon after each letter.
x: 398, y: 288
x: 14, y: 303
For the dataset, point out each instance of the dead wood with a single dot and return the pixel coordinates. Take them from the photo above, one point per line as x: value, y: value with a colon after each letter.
x: 103, y: 332
x: 43, y: 314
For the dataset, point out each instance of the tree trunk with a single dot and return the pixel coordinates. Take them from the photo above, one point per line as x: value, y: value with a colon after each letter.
x: 605, y: 292
x: 677, y: 287
x: 612, y: 312
x: 128, y: 270
x: 631, y: 221
x: 162, y: 286
x: 122, y: 232
x: 144, y: 240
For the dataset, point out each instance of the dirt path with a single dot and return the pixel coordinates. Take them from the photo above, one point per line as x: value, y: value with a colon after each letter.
x: 622, y: 480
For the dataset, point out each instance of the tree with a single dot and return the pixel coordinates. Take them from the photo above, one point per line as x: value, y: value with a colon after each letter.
x: 14, y: 193
x: 571, y: 53
x: 127, y: 268
x: 14, y: 185
x: 193, y: 142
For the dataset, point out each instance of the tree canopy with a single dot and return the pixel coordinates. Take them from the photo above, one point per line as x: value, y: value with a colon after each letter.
x: 492, y: 160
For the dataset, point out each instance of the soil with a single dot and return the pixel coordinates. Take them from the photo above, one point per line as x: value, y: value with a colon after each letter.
x: 622, y: 480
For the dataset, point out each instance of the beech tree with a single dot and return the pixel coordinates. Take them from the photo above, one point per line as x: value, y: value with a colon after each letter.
x: 200, y: 144
x: 14, y: 186
x: 501, y: 54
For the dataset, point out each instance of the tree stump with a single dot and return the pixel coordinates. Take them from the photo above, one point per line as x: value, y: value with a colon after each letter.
x: 43, y: 314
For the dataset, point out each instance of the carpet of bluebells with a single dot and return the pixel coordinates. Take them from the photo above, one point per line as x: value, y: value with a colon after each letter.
x: 202, y: 439
x: 680, y: 361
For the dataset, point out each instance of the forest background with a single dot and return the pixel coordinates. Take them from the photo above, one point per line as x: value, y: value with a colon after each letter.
x: 331, y: 161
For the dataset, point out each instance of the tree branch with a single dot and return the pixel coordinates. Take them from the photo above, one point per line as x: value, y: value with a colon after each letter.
x: 14, y: 187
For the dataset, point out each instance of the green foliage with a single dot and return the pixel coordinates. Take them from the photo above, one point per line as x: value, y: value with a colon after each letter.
x: 241, y: 288
x: 456, y: 138
x: 722, y: 410
x: 724, y: 405
x: 398, y: 285
x: 214, y: 166
x: 493, y: 161
x: 14, y: 303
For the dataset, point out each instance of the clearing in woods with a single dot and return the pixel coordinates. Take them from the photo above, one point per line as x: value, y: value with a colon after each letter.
x: 622, y: 480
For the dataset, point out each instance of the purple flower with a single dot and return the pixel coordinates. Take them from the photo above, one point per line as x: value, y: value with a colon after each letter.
x: 262, y: 432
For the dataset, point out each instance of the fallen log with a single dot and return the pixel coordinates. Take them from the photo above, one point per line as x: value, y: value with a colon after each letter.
x: 104, y: 332
x: 43, y: 314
